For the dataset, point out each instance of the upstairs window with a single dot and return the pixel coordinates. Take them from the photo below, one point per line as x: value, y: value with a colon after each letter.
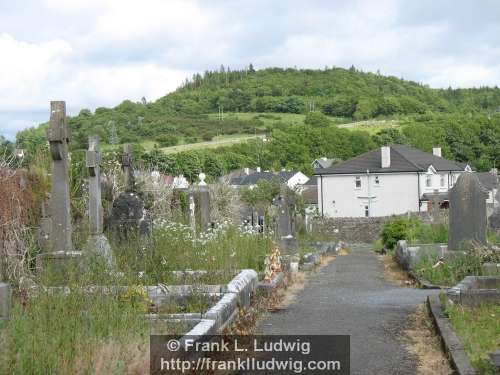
x: 442, y: 180
x: 428, y: 180
x: 358, y: 182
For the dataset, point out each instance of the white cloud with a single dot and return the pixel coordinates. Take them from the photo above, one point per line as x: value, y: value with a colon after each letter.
x: 100, y: 52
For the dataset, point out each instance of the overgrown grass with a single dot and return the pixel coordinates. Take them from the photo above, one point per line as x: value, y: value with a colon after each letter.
x: 479, y: 332
x: 222, y: 253
x: 451, y: 271
x: 60, y: 334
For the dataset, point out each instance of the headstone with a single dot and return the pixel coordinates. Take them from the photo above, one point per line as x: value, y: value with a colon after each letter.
x: 58, y: 136
x: 285, y: 227
x: 192, y: 214
x: 97, y: 242
x: 60, y: 248
x: 467, y: 213
x: 128, y: 217
x: 5, y: 300
x: 202, y: 197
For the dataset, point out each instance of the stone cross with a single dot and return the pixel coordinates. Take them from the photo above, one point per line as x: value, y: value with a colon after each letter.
x: 467, y: 213
x: 284, y: 216
x: 128, y: 168
x: 58, y: 135
x: 93, y: 160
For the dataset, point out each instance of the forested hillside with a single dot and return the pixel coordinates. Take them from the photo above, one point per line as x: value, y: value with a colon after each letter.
x: 465, y: 122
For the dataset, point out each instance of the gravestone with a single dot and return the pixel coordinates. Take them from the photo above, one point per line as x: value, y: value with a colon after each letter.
x: 5, y: 295
x: 60, y: 248
x: 467, y: 213
x: 191, y: 213
x: 58, y: 136
x: 97, y: 242
x: 285, y: 228
x: 202, y: 203
x: 128, y: 217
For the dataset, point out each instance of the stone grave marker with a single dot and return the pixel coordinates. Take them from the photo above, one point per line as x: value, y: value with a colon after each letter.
x: 5, y: 294
x: 97, y: 242
x: 285, y: 227
x: 43, y: 232
x: 467, y: 213
x: 128, y: 217
x: 61, y: 247
x: 192, y: 212
x: 202, y: 203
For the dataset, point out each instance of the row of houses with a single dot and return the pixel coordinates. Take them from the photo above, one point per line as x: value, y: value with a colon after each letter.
x: 392, y: 180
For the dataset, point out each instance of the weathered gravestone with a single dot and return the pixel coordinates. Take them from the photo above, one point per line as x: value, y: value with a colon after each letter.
x: 97, y: 242
x: 467, y: 213
x: 128, y: 217
x: 5, y: 295
x: 494, y: 219
x: 191, y: 213
x: 201, y: 197
x: 61, y: 248
x: 285, y: 228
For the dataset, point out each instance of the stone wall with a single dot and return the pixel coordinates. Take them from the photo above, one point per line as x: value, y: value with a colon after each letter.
x: 365, y: 229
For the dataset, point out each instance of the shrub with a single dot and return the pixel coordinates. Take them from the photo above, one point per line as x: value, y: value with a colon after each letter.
x: 394, y: 231
x: 167, y: 140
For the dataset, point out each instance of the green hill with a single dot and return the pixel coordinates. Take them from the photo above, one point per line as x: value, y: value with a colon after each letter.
x: 281, y: 102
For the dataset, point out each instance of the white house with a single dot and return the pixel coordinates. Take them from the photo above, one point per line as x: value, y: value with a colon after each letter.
x: 391, y: 180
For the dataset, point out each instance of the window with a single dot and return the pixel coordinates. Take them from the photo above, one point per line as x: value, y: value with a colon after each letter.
x: 358, y: 182
x: 367, y: 211
x: 377, y: 181
x: 428, y: 180
x: 442, y: 180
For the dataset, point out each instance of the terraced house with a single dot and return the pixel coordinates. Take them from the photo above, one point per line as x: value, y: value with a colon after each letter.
x: 392, y: 180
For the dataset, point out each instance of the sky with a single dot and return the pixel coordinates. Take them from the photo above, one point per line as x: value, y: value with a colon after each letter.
x: 94, y: 53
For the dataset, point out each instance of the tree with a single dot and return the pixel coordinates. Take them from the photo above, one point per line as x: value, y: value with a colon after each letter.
x: 317, y: 120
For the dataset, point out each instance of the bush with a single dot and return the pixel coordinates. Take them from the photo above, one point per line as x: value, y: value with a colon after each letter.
x: 413, y: 231
x: 394, y: 231
x: 167, y: 140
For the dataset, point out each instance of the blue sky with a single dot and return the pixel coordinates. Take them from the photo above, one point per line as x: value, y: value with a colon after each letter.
x: 98, y: 52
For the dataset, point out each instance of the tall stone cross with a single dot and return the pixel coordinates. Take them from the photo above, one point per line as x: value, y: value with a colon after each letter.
x: 58, y: 135
x: 128, y: 168
x: 93, y: 161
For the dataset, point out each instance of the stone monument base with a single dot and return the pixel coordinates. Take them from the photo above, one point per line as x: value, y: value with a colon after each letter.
x: 98, y: 244
x: 289, y: 248
x: 5, y: 300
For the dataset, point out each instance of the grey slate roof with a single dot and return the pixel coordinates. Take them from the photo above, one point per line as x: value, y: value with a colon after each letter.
x: 253, y: 178
x: 488, y: 180
x: 403, y: 159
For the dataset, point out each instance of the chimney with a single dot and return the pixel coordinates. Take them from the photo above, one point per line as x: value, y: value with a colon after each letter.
x: 385, y: 152
x: 258, y: 169
x: 436, y: 151
x: 247, y: 171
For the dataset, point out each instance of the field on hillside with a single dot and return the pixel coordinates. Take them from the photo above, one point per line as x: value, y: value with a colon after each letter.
x: 224, y: 140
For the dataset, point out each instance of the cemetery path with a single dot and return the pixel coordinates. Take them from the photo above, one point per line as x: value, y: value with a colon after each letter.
x: 350, y: 296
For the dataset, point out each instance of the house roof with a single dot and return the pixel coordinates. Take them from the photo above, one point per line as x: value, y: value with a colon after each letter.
x: 323, y: 162
x: 403, y: 159
x: 488, y: 180
x: 253, y: 178
x: 313, y: 181
x: 310, y: 195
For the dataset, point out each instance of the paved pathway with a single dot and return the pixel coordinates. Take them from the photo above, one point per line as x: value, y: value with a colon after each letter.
x: 350, y: 296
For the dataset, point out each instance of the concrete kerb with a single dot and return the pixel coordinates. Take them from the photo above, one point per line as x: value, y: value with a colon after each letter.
x: 473, y: 291
x: 423, y: 283
x: 449, y: 340
x: 267, y: 289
